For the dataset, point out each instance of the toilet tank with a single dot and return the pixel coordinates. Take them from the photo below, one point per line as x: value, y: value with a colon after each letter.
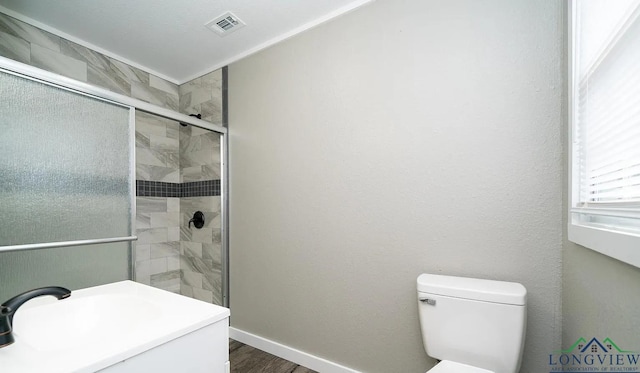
x: 473, y: 321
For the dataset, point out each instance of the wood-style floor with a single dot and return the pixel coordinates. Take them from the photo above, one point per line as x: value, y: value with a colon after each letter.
x: 246, y: 359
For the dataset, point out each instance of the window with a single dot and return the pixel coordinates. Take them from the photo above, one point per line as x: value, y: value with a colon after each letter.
x: 605, y: 127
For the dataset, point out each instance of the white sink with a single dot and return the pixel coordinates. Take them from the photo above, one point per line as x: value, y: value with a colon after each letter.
x: 95, y: 319
x: 101, y: 326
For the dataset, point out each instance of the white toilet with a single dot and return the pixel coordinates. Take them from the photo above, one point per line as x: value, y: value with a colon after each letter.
x: 472, y: 325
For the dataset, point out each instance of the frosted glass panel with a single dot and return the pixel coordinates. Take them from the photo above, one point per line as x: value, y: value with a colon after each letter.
x: 64, y: 165
x: 72, y: 267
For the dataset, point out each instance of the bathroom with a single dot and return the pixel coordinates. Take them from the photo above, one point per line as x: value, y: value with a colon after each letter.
x: 400, y: 138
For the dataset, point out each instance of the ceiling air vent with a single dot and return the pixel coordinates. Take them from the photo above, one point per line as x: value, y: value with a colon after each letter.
x: 225, y: 24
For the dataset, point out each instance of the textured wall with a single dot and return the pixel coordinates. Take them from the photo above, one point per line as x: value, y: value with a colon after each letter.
x: 600, y: 298
x: 367, y: 151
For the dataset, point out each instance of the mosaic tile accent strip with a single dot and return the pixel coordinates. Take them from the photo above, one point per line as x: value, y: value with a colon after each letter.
x: 203, y: 188
x: 157, y: 189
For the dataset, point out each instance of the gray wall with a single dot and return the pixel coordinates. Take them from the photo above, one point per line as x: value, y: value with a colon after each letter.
x: 600, y: 298
x: 405, y: 137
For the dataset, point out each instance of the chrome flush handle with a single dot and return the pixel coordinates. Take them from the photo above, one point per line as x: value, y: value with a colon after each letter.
x: 431, y: 302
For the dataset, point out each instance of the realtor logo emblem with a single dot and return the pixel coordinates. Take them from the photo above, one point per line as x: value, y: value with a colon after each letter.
x: 594, y: 356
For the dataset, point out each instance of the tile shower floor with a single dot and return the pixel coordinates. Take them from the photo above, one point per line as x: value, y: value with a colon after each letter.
x: 246, y: 359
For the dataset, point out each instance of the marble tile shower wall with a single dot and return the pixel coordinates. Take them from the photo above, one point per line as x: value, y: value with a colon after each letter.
x: 200, y: 249
x: 28, y: 44
x: 157, y: 251
x: 203, y: 96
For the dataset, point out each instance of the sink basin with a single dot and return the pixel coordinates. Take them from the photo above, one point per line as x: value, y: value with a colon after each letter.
x: 101, y: 326
x: 95, y: 319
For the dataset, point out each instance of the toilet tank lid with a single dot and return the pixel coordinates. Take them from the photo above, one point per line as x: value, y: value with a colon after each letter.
x: 473, y: 288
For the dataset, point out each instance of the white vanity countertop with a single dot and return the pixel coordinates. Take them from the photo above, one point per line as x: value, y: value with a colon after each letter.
x: 100, y: 326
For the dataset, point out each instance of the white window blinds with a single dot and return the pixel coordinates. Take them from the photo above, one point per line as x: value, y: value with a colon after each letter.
x: 606, y: 118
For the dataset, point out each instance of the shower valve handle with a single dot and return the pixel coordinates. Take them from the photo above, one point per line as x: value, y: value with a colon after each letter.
x: 197, y: 220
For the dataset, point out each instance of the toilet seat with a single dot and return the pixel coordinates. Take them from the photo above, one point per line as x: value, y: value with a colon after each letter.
x: 446, y: 366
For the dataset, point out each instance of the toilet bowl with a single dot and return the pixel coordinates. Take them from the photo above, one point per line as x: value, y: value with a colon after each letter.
x: 472, y: 325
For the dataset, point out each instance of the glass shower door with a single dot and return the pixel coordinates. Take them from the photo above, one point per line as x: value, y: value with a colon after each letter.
x: 65, y: 180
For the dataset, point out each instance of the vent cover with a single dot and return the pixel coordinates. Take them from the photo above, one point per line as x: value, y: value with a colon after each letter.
x: 225, y: 24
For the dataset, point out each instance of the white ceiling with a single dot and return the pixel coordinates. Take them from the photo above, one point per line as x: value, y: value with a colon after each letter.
x: 168, y: 37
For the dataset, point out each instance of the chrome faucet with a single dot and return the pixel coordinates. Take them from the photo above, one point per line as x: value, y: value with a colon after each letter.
x: 9, y: 308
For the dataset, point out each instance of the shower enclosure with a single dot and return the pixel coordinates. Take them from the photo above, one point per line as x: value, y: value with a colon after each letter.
x: 178, y: 219
x: 75, y: 160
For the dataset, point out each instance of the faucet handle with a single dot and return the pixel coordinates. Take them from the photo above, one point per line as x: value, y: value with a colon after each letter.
x: 6, y: 338
x: 9, y: 308
x: 198, y: 220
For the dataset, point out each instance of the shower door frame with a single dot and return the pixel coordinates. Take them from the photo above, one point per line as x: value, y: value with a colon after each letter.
x: 30, y: 72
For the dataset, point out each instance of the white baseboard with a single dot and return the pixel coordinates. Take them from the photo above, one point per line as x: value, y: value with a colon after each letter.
x: 299, y: 357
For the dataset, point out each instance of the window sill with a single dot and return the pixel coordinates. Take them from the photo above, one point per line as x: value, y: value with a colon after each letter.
x: 618, y: 245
